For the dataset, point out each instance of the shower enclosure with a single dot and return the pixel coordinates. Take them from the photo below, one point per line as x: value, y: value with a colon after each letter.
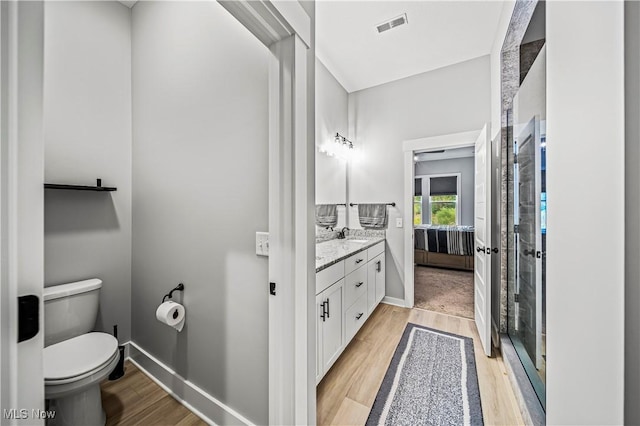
x: 527, y: 224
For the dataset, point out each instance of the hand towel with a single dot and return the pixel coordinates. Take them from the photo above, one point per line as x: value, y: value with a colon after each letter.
x: 326, y: 215
x: 373, y: 215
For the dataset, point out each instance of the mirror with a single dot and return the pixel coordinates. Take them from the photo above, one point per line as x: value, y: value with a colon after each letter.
x: 331, y: 118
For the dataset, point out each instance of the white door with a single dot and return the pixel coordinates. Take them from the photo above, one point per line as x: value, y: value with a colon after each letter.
x: 482, y: 222
x: 21, y: 211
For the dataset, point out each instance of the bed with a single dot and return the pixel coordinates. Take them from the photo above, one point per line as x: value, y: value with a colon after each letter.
x: 444, y: 246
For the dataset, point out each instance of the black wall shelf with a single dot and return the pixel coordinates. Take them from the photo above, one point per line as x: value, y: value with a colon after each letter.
x: 98, y: 187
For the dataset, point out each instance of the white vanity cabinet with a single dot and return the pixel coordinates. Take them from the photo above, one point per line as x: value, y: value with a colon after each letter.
x: 346, y: 294
x: 375, y: 276
x: 330, y: 327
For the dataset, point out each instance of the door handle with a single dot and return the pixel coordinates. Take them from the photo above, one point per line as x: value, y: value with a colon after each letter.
x: 359, y: 284
x: 480, y: 249
x: 359, y: 315
x: 378, y: 266
x: 328, y: 316
x: 531, y: 253
x: 359, y: 260
x: 28, y: 317
x: 323, y: 315
x: 495, y: 249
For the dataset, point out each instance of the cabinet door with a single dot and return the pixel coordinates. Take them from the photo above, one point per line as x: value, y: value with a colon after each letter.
x: 371, y: 286
x: 320, y: 318
x: 379, y: 268
x: 332, y: 327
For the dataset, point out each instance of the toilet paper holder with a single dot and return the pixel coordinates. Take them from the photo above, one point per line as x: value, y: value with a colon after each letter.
x: 179, y: 287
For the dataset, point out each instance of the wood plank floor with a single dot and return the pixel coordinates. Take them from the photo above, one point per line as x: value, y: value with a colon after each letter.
x: 135, y: 399
x: 346, y: 393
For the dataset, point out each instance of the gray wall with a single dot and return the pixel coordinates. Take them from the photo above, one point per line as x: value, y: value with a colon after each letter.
x: 87, y: 132
x: 632, y: 212
x: 464, y: 166
x: 331, y: 117
x: 200, y: 161
x: 448, y: 100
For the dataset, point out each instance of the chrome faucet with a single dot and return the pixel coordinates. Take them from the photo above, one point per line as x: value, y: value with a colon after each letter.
x: 341, y: 234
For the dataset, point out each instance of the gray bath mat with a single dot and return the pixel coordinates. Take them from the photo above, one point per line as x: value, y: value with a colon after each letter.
x: 432, y: 380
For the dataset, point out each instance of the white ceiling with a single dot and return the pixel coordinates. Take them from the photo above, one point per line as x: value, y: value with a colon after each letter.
x: 438, y: 33
x: 128, y: 3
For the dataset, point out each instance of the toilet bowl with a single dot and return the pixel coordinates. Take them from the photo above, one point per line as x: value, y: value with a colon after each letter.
x: 75, y: 360
x: 73, y: 370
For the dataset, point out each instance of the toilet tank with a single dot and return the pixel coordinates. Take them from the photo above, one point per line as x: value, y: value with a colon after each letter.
x: 70, y: 309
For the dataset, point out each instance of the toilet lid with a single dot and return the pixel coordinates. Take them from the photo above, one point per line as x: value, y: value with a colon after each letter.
x: 79, y: 355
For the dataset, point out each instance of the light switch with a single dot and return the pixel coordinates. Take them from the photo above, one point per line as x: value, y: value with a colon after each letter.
x: 398, y: 222
x: 262, y: 243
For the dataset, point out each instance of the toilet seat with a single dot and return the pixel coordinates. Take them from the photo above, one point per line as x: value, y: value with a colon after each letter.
x: 74, y: 359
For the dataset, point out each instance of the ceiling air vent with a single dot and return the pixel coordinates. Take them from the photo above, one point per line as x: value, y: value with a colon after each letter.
x: 392, y: 23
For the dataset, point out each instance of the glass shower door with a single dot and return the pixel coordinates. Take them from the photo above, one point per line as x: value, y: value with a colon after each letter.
x: 527, y: 330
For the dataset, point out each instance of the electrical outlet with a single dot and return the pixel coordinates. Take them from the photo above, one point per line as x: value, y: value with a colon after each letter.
x: 262, y: 243
x: 398, y: 222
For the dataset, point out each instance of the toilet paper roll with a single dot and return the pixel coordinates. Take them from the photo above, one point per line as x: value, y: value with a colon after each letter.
x: 172, y: 314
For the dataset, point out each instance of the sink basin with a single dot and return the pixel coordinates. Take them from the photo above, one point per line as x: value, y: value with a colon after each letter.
x: 358, y: 241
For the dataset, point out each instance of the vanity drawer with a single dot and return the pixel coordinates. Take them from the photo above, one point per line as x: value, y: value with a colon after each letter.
x: 375, y: 250
x: 355, y: 285
x: 328, y: 276
x: 356, y: 316
x: 354, y: 262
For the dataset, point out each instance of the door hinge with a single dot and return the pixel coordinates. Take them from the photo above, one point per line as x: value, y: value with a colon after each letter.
x: 516, y: 298
x: 272, y: 289
x: 516, y: 229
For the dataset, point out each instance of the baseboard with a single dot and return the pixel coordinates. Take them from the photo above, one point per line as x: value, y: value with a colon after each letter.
x: 203, y: 405
x: 394, y: 301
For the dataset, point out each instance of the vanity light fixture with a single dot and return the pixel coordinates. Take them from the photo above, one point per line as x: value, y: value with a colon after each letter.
x: 341, y: 140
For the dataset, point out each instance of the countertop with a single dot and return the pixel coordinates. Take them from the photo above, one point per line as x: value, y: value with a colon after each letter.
x: 333, y: 251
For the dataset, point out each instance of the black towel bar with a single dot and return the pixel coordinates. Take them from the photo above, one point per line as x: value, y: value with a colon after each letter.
x: 389, y: 204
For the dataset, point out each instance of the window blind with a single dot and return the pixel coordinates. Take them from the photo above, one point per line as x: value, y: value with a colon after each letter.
x: 447, y: 185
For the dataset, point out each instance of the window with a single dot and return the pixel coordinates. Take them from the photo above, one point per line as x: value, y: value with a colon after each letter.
x: 417, y: 210
x: 444, y: 209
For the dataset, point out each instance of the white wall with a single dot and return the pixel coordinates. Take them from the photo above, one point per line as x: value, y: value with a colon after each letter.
x: 87, y: 132
x: 200, y: 161
x: 331, y: 117
x: 448, y: 100
x: 585, y: 158
x: 466, y: 167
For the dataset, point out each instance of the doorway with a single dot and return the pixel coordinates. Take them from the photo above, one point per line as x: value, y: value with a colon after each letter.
x: 443, y: 206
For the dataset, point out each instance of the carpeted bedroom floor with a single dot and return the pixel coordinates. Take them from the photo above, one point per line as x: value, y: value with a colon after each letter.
x: 444, y: 290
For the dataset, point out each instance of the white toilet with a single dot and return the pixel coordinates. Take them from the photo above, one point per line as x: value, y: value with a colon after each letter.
x: 75, y: 359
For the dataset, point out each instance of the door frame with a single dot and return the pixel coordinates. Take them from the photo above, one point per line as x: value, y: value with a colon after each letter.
x: 286, y: 29
x: 410, y: 148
